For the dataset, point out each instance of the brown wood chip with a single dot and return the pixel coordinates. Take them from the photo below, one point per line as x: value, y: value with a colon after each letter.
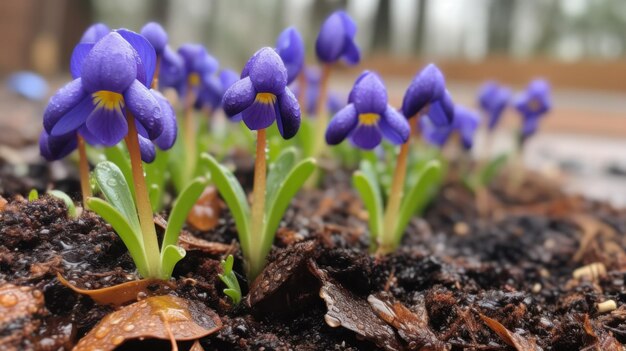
x: 277, y: 272
x: 412, y: 327
x: 190, y: 242
x: 515, y: 340
x: 205, y: 213
x: 160, y: 317
x: 353, y: 313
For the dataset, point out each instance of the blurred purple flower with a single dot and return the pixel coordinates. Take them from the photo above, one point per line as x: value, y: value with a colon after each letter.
x: 172, y: 72
x: 290, y: 48
x: 213, y: 87
x: 156, y: 35
x: 533, y: 104
x: 336, y: 40
x: 426, y: 88
x: 493, y: 99
x: 94, y: 33
x: 111, y: 78
x: 262, y: 95
x: 28, y: 84
x: 368, y: 117
x: 335, y: 101
x: 197, y: 64
x: 465, y: 122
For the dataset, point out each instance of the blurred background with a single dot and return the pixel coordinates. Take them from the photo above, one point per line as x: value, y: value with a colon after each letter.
x: 578, y: 45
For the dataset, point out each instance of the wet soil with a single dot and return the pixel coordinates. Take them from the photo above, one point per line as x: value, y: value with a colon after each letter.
x: 458, y: 269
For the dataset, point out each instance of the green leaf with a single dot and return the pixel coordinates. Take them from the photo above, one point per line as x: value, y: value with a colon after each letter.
x: 181, y: 208
x: 71, y: 208
x: 285, y: 191
x: 33, y: 195
x: 129, y: 235
x: 235, y: 198
x: 230, y: 280
x: 170, y: 257
x: 277, y: 173
x: 118, y: 155
x: 492, y: 169
x: 366, y: 184
x: 156, y: 174
x: 428, y: 180
x: 115, y: 189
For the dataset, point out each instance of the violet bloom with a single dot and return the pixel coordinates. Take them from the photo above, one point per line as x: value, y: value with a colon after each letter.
x: 533, y: 104
x: 197, y: 64
x: 336, y: 40
x: 493, y: 99
x: 172, y: 70
x: 111, y: 81
x: 335, y: 101
x: 262, y: 95
x: 426, y: 88
x: 213, y: 87
x: 290, y: 48
x: 156, y: 35
x: 94, y: 33
x: 368, y: 117
x: 465, y: 123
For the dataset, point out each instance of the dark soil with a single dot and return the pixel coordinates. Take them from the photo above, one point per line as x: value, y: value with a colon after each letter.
x: 455, y: 270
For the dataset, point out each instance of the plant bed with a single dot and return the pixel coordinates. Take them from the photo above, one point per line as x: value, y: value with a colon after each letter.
x: 454, y: 272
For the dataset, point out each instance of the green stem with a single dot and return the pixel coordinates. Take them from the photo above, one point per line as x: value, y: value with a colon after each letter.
x: 189, y: 133
x: 257, y: 259
x: 142, y: 200
x: 320, y: 110
x: 155, y: 78
x: 386, y: 240
x: 83, y: 169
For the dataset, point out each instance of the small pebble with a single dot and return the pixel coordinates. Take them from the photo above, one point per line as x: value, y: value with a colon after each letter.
x: 607, y: 306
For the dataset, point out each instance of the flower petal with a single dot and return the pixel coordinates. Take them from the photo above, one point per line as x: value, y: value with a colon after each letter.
x: 433, y: 134
x: 172, y: 71
x: 369, y: 94
x: 156, y: 35
x: 142, y: 104
x: 147, y: 149
x: 88, y: 136
x: 238, y: 97
x: 72, y: 120
x: 62, y: 102
x: 394, y: 126
x: 437, y: 115
x: 466, y: 121
x: 332, y: 41
x: 366, y: 137
x: 427, y: 86
x: 352, y: 54
x: 78, y: 57
x: 94, y: 33
x: 341, y: 125
x: 260, y: 115
x: 290, y: 48
x: 146, y: 55
x: 111, y: 65
x: 268, y: 73
x: 108, y: 125
x: 56, y: 148
x: 170, y: 129
x: 289, y: 119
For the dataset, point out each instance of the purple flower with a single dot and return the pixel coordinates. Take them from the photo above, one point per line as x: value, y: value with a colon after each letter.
x: 465, y: 122
x: 368, y: 117
x: 427, y: 87
x: 111, y: 78
x: 336, y: 39
x: 156, y: 35
x: 55, y: 148
x: 262, y: 95
x: 493, y: 99
x: 290, y: 48
x: 198, y: 63
x: 533, y: 104
x: 213, y: 87
x: 172, y: 72
x: 335, y: 101
x: 94, y: 33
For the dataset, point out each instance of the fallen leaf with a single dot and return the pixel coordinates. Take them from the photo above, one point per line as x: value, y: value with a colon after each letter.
x: 353, y: 313
x: 411, y: 327
x: 604, y: 341
x: 515, y: 340
x: 277, y: 272
x: 3, y: 203
x: 196, y: 346
x: 190, y: 242
x: 205, y: 213
x: 116, y: 295
x: 159, y: 317
x: 21, y: 310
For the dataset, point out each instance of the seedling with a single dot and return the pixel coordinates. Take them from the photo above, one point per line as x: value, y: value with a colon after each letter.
x: 229, y: 278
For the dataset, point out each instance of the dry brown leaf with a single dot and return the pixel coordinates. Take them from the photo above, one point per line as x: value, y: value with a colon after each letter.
x: 205, y: 213
x: 602, y: 342
x: 116, y: 295
x: 413, y: 328
x: 190, y: 242
x: 3, y: 203
x: 196, y: 346
x: 159, y: 317
x: 21, y: 308
x: 515, y: 340
x: 591, y: 228
x: 277, y: 272
x: 353, y: 313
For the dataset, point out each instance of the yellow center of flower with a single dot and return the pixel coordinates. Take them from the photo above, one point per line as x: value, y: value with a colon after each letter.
x: 108, y: 100
x: 369, y: 119
x: 194, y: 79
x: 266, y: 98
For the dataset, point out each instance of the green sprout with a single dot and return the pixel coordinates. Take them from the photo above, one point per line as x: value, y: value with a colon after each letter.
x: 230, y: 280
x: 71, y: 208
x: 33, y: 195
x: 120, y: 211
x: 485, y: 174
x: 387, y: 225
x: 286, y: 176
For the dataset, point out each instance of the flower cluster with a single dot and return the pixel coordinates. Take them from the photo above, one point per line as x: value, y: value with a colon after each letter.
x: 465, y: 122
